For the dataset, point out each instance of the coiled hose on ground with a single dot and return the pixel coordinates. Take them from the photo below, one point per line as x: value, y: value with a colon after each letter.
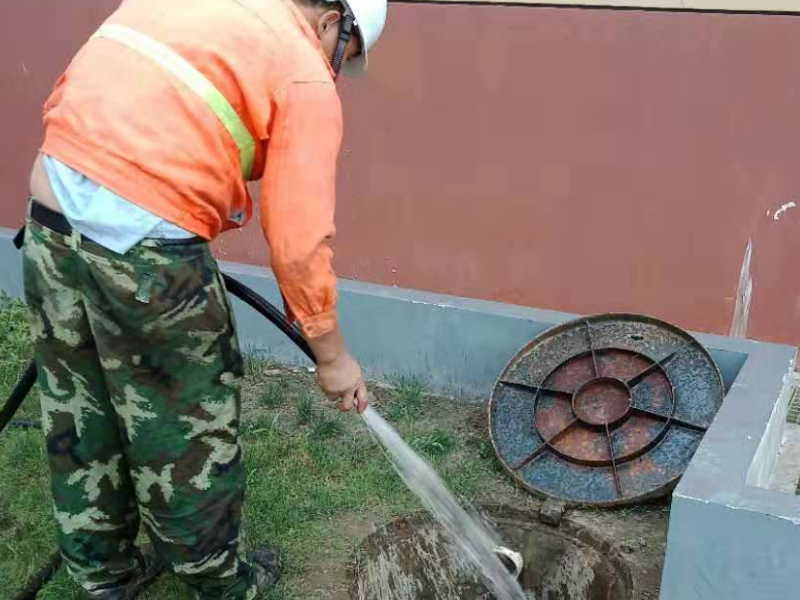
x: 28, y: 379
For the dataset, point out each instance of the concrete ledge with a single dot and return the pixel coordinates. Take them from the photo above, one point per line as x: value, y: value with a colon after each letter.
x: 729, y: 538
x: 457, y: 345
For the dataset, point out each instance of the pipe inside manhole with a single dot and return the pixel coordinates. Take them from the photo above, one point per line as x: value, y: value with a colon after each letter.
x: 410, y: 559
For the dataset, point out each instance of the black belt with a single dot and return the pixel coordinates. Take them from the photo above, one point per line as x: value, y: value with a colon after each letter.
x: 58, y: 223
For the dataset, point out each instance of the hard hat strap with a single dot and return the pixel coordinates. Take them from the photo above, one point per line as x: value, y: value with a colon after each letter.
x: 345, y: 35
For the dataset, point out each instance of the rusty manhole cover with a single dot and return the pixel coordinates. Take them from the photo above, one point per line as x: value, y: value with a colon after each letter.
x: 605, y: 410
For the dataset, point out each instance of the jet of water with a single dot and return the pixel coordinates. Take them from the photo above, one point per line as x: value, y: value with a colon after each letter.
x: 469, y: 534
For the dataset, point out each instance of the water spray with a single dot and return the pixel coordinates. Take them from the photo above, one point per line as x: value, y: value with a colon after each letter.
x: 499, y: 567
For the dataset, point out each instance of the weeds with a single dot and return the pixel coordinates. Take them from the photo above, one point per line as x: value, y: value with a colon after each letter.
x: 435, y: 444
x: 15, y: 346
x: 274, y: 396
x: 406, y: 399
x: 306, y: 409
x: 327, y: 429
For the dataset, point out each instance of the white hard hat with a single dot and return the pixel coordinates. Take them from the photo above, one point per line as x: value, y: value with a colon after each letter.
x: 370, y: 19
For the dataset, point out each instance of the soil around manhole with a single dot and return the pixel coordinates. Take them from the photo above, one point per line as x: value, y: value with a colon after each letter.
x: 329, y: 575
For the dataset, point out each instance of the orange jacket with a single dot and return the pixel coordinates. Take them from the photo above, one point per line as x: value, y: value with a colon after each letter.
x: 129, y: 124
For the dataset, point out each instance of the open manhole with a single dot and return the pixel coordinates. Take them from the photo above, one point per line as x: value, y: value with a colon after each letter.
x: 605, y: 410
x: 412, y: 559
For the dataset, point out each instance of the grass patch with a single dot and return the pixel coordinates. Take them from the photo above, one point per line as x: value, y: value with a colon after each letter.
x: 16, y: 352
x: 407, y: 400
x: 274, y: 396
x: 316, y: 480
x: 307, y: 409
x: 433, y: 443
x: 327, y: 429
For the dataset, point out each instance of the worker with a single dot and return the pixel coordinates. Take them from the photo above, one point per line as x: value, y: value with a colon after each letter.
x: 151, y: 136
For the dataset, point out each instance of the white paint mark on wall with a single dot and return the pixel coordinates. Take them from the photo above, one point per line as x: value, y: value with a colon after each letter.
x: 24, y: 68
x: 779, y: 213
x: 744, y: 294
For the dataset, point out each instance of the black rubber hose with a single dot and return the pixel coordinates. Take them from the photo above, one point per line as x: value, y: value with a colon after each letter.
x: 267, y: 310
x: 19, y: 239
x: 40, y: 578
x: 18, y: 395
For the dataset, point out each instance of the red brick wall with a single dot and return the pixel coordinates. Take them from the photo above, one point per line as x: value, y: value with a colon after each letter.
x: 582, y: 160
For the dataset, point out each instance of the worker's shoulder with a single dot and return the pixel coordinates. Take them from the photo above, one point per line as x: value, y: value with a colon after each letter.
x: 291, y: 47
x: 254, y: 38
x: 302, y: 62
x: 256, y: 46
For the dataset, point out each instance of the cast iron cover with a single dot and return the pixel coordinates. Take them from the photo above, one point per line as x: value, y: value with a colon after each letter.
x: 605, y: 410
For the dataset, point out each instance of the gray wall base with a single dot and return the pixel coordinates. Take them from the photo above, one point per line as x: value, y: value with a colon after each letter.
x: 457, y: 345
x: 11, y: 270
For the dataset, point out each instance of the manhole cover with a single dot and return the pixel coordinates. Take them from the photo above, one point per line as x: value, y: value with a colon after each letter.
x: 604, y: 410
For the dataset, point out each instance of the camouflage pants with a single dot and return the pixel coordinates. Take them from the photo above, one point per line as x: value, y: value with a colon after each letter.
x: 138, y: 370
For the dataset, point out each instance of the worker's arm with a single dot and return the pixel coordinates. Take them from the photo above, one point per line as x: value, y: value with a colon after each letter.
x: 297, y: 212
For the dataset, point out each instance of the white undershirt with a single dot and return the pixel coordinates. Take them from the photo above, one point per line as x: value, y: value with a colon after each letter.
x: 100, y: 214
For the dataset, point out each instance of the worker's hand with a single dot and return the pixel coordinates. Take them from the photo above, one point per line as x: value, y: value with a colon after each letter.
x: 338, y: 373
x: 341, y: 379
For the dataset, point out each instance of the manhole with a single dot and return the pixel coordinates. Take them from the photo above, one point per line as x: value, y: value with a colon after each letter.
x: 412, y: 559
x: 605, y: 410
